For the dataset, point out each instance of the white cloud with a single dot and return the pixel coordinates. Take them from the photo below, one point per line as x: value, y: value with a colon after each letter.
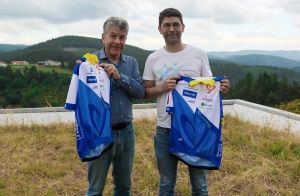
x: 57, y: 11
x: 148, y: 42
x: 297, y: 22
x: 19, y: 26
x: 289, y: 6
x: 212, y: 25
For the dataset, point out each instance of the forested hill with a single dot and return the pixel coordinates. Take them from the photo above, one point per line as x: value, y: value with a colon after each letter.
x: 11, y: 47
x: 265, y: 60
x: 52, y: 49
x: 68, y: 49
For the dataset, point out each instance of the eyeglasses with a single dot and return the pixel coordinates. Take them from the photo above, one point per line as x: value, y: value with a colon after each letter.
x: 175, y: 25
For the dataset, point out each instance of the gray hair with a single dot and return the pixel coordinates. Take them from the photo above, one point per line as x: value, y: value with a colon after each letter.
x: 114, y: 21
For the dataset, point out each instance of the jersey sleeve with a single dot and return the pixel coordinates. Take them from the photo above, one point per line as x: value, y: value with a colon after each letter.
x: 73, y: 88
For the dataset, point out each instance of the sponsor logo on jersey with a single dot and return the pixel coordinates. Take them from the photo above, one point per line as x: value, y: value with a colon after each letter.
x: 77, y: 131
x: 190, y: 88
x: 95, y: 87
x: 190, y: 94
x: 219, y: 153
x: 207, y: 122
x: 191, y: 101
x: 206, y: 99
x: 210, y: 88
x: 102, y: 87
x: 91, y: 71
x: 206, y: 106
x: 91, y: 79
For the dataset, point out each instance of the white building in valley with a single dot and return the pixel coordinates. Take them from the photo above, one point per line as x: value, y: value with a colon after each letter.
x: 2, y: 64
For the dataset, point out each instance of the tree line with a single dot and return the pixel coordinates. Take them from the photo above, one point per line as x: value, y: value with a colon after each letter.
x: 266, y: 90
x: 30, y: 87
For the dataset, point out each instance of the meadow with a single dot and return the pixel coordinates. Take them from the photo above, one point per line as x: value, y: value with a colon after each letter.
x: 44, y: 68
x: 42, y: 160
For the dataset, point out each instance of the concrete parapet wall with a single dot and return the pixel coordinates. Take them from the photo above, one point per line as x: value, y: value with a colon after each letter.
x: 254, y: 113
x: 49, y: 115
x: 263, y: 115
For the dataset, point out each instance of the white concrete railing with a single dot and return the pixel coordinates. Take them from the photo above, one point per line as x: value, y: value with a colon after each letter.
x: 49, y: 115
x: 255, y: 113
x: 263, y: 116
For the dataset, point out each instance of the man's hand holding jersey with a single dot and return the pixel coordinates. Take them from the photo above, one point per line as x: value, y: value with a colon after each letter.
x: 111, y: 71
x: 225, y: 86
x: 168, y: 84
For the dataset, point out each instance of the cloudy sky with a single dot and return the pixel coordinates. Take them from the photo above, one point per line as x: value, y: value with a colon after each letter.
x: 214, y: 25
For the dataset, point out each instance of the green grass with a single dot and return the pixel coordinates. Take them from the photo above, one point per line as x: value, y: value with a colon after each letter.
x: 45, y: 69
x: 42, y: 160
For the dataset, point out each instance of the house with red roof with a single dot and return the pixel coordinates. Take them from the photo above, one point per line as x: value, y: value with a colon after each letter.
x: 19, y: 63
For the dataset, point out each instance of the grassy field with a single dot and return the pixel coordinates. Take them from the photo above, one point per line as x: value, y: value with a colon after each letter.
x: 45, y: 69
x: 42, y: 160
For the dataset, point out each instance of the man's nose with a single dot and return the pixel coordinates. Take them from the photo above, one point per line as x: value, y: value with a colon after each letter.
x: 117, y: 40
x: 171, y: 28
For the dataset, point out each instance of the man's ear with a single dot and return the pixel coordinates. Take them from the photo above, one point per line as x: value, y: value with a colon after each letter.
x: 159, y: 29
x: 103, y: 37
x: 183, y: 26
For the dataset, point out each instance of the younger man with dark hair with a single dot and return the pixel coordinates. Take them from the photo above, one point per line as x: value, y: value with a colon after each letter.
x: 163, y: 67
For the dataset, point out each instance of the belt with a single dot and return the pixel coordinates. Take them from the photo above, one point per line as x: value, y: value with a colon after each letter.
x: 120, y: 126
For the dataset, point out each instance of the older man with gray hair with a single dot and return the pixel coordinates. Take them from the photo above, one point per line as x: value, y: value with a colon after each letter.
x: 126, y: 85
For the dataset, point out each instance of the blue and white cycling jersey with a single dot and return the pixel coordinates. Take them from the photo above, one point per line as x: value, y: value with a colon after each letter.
x: 88, y: 96
x: 196, y: 108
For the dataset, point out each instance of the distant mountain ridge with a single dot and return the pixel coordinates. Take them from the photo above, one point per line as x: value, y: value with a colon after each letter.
x: 69, y: 48
x: 11, y: 47
x: 289, y: 54
x: 265, y: 58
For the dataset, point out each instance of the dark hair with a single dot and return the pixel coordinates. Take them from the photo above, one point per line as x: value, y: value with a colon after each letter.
x: 169, y: 12
x: 118, y: 22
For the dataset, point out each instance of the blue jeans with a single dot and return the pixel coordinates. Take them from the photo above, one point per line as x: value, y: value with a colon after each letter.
x: 167, y: 167
x: 121, y: 156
